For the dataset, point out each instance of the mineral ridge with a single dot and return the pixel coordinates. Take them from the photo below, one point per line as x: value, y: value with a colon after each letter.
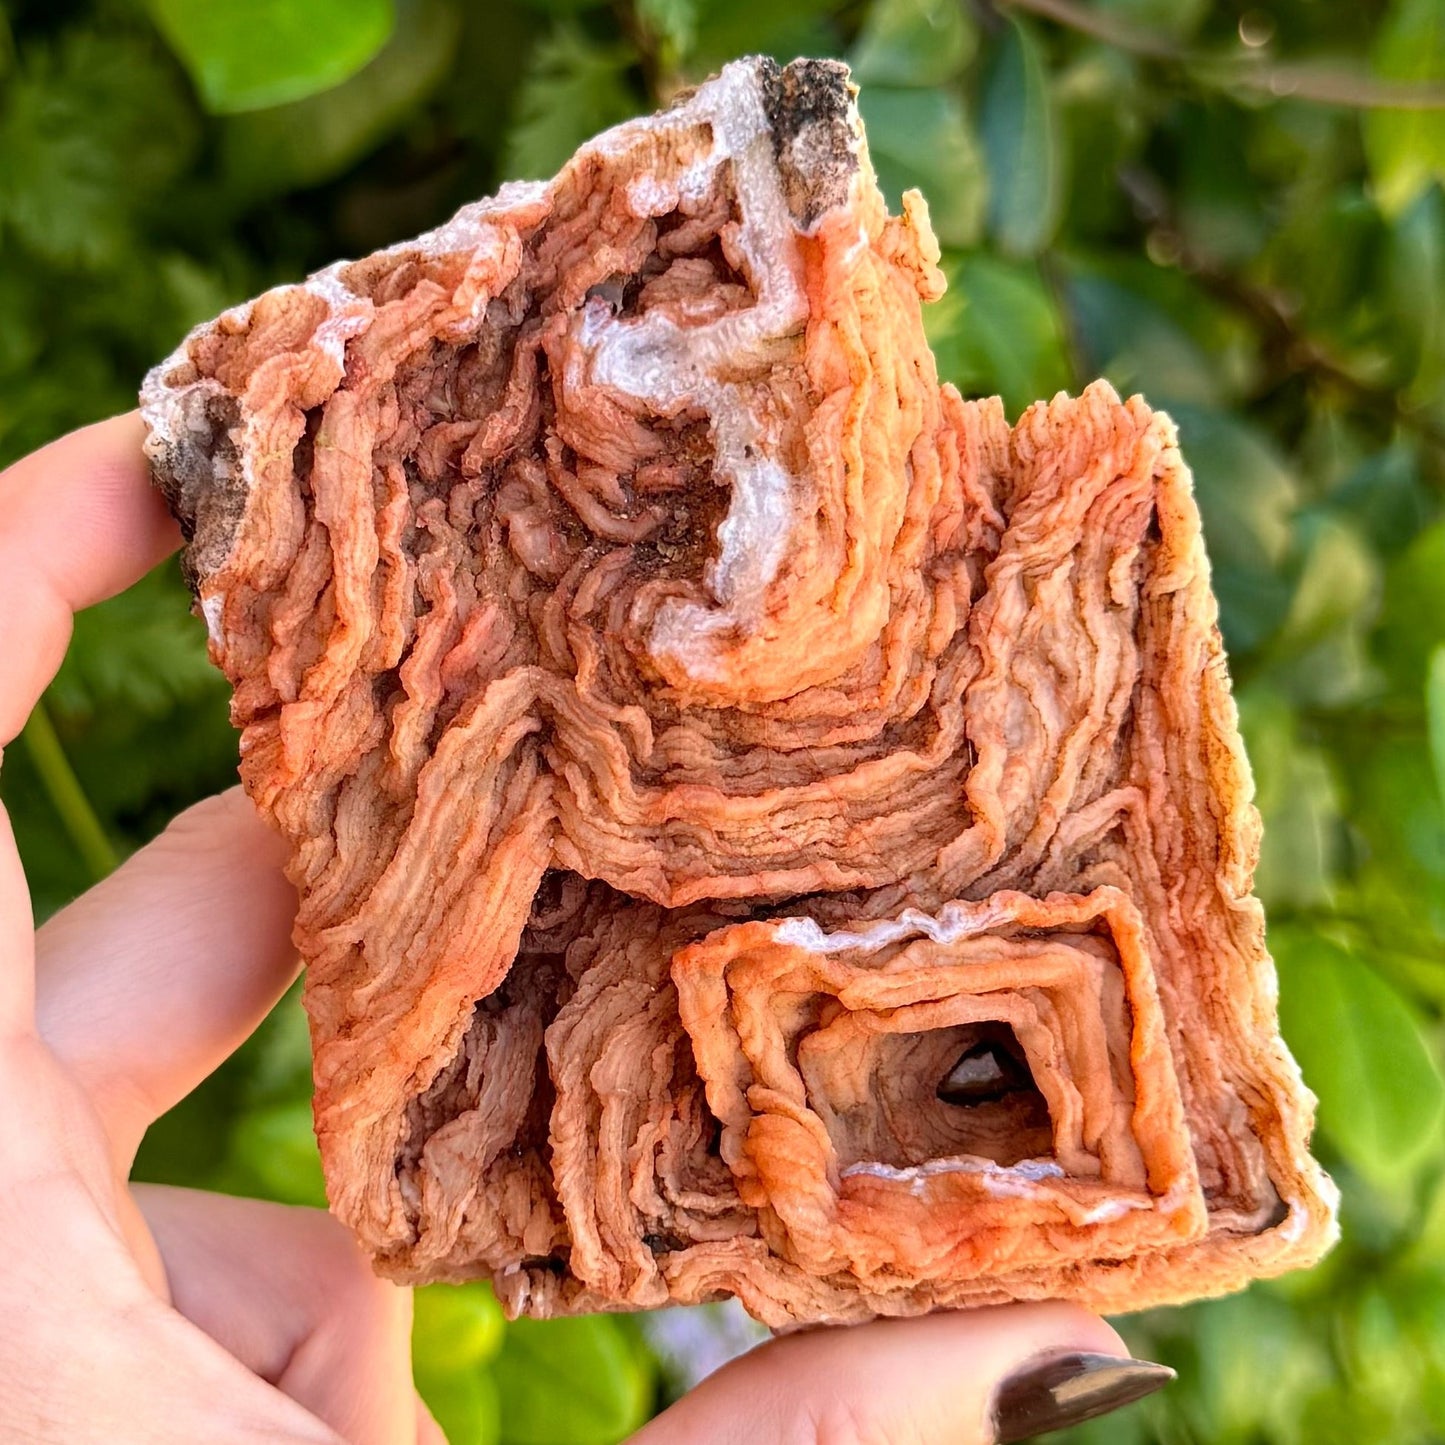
x: 763, y: 825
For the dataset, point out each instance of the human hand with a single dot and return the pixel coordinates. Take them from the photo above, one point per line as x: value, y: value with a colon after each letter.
x: 141, y: 1313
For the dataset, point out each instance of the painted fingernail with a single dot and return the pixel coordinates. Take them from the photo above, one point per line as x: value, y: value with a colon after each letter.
x: 1063, y: 1390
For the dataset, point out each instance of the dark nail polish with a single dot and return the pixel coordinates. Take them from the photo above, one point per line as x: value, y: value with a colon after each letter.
x: 1063, y: 1390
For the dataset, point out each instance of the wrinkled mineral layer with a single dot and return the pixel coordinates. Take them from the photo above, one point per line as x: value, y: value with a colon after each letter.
x: 763, y: 825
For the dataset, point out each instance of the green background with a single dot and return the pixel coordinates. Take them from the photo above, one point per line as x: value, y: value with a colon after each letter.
x: 1202, y: 200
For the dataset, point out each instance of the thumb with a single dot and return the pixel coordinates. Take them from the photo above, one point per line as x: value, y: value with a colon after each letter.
x: 931, y: 1381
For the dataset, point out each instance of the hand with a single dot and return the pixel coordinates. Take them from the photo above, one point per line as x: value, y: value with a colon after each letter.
x: 136, y: 1313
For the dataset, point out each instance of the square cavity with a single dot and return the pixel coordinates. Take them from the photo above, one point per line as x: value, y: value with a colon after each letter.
x: 934, y: 1097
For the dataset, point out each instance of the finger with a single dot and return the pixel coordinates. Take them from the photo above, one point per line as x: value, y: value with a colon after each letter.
x: 152, y: 978
x: 79, y: 521
x: 17, y: 939
x: 288, y: 1292
x: 928, y: 1381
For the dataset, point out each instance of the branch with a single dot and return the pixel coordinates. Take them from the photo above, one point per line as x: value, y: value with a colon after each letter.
x: 1270, y: 313
x: 66, y: 794
x: 1326, y: 83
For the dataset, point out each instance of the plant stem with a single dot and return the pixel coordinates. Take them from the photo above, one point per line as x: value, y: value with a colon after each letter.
x: 1324, y: 82
x: 1287, y: 346
x: 66, y: 794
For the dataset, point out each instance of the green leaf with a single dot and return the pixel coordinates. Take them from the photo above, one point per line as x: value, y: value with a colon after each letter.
x: 580, y: 1381
x: 1255, y: 1359
x: 997, y: 331
x: 922, y: 139
x: 1362, y: 1049
x: 1435, y: 714
x: 248, y: 54
x: 281, y: 1055
x: 1320, y: 656
x: 464, y: 1403
x: 1400, y: 819
x: 1021, y: 143
x: 312, y: 140
x: 912, y: 42
x: 455, y: 1327
x: 1406, y: 148
x: 276, y: 1147
x: 1379, y: 1362
x: 573, y: 88
x: 673, y: 22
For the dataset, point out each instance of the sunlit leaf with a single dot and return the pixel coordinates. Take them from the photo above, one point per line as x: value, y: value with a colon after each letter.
x: 1297, y: 796
x: 464, y: 1403
x: 1415, y: 288
x: 1362, y: 1048
x: 1320, y: 656
x: 1427, y: 1249
x: 456, y: 1330
x: 1380, y: 1364
x: 1020, y: 136
x: 912, y: 42
x: 579, y: 1381
x: 1435, y: 713
x: 1407, y: 147
x: 921, y: 138
x: 674, y: 22
x: 277, y: 1146
x: 456, y: 1327
x: 1400, y: 818
x: 311, y: 140
x: 246, y: 54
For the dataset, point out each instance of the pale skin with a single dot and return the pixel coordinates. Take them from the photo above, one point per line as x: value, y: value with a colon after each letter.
x: 137, y: 1313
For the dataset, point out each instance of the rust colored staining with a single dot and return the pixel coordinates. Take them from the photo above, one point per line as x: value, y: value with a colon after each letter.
x: 763, y: 825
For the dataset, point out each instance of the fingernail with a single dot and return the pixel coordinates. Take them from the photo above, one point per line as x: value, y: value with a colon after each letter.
x: 1063, y: 1390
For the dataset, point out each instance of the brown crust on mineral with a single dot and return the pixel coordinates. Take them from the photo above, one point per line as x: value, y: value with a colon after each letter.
x: 763, y: 825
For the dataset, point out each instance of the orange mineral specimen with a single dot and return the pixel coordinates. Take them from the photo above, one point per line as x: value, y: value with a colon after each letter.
x: 763, y: 825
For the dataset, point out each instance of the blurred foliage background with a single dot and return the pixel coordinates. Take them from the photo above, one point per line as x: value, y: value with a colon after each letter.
x: 1234, y: 208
